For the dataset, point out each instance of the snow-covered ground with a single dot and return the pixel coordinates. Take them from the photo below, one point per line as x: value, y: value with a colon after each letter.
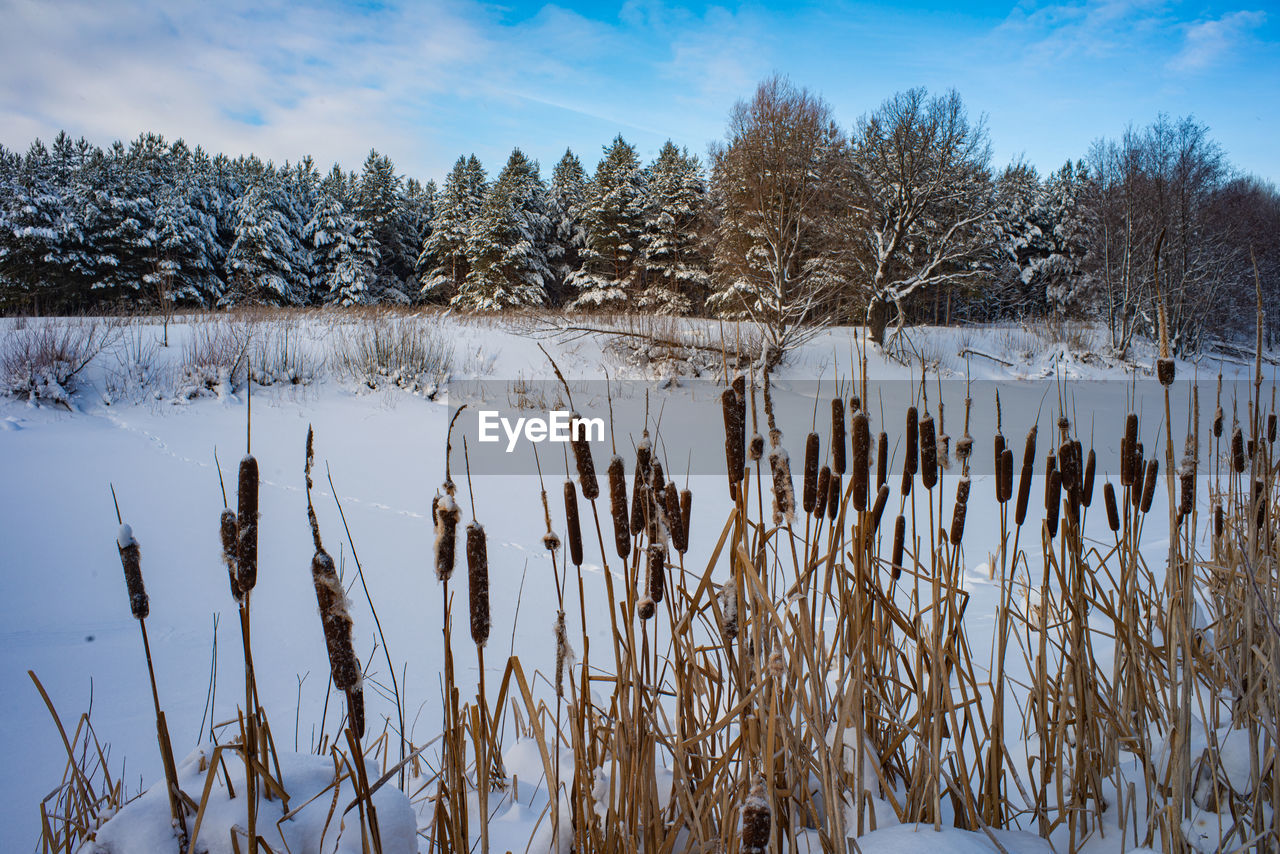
x: 64, y: 613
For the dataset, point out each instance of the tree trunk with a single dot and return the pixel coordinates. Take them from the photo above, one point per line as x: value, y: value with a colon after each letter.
x: 878, y: 319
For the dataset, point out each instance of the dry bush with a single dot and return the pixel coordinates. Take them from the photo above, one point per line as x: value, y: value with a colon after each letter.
x: 279, y: 355
x: 42, y: 360
x: 135, y: 370
x: 215, y: 358
x: 386, y: 349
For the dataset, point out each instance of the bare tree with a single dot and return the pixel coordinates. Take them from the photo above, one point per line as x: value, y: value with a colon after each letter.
x: 777, y: 180
x: 922, y: 201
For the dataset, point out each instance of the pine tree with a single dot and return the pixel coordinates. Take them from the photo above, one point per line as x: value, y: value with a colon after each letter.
x: 506, y: 249
x: 566, y: 201
x: 345, y: 254
x: 613, y: 219
x: 675, y: 273
x: 444, y: 253
x: 266, y: 263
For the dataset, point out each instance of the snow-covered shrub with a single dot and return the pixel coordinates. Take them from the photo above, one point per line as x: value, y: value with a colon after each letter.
x: 41, y: 361
x: 278, y: 357
x: 385, y: 350
x: 214, y: 359
x: 135, y: 369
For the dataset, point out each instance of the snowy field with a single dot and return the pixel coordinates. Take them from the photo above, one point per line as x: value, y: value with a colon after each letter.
x: 153, y: 435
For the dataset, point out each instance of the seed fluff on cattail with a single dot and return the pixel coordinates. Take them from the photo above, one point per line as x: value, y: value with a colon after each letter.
x: 562, y: 652
x: 336, y: 622
x: 478, y: 582
x: 734, y: 435
x: 447, y: 515
x: 230, y: 534
x: 727, y: 599
x: 784, y: 497
x: 757, y: 820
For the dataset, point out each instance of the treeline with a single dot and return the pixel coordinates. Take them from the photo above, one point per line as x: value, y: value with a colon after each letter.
x: 791, y: 220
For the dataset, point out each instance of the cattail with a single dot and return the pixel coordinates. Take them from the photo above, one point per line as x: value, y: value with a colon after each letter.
x: 355, y: 709
x: 1052, y: 501
x: 1149, y: 485
x: 734, y: 435
x: 1271, y: 427
x: 911, y: 463
x: 899, y: 540
x: 757, y: 821
x: 640, y: 510
x: 686, y: 507
x: 1187, y: 495
x: 562, y: 652
x: 571, y: 523
x: 1086, y: 495
x: 964, y: 448
x: 447, y: 515
x: 1050, y: 466
x: 999, y: 446
x: 657, y: 478
x: 877, y: 509
x: 1024, y: 479
x: 645, y: 607
x: 905, y: 488
x: 1127, y: 449
x: 833, y: 498
x: 756, y: 449
x: 784, y: 497
x: 1077, y: 454
x: 618, y: 506
x: 882, y: 459
x: 1259, y: 499
x: 728, y: 600
x: 958, y: 512
x: 655, y: 564
x: 1165, y: 371
x: 1070, y: 465
x: 928, y: 452
x: 1004, y: 477
x: 809, y: 491
x: 1219, y: 520
x: 580, y: 440
x: 230, y: 536
x: 336, y: 622
x: 478, y: 580
x: 1064, y: 424
x: 837, y: 435
x: 675, y: 524
x: 1217, y: 421
x: 247, y: 519
x: 1109, y: 499
x: 1251, y: 446
x: 861, y: 459
x: 1237, y: 450
x: 131, y: 561
x: 824, y: 489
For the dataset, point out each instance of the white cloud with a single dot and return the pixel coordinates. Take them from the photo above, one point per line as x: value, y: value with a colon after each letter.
x: 1208, y: 41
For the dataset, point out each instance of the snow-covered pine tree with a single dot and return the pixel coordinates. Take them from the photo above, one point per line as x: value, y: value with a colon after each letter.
x: 378, y: 202
x: 675, y: 273
x: 506, y: 250
x: 444, y: 253
x: 418, y: 206
x: 266, y: 262
x: 566, y: 200
x: 614, y: 220
x: 344, y: 253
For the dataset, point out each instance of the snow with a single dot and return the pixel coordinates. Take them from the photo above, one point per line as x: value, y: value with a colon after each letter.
x: 62, y: 616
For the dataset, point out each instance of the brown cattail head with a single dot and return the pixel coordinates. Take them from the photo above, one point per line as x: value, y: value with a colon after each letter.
x: 964, y: 448
x: 618, y: 506
x: 757, y: 821
x: 824, y: 490
x: 756, y: 448
x: 837, y: 435
x: 1187, y: 495
x: 1217, y: 423
x: 1024, y: 479
x: 735, y: 432
x: 912, y: 461
x: 478, y: 581
x: 645, y: 608
x: 675, y: 525
x: 336, y: 622
x: 562, y: 652
x: 447, y: 515
x: 1219, y: 520
x: 784, y: 497
x: 355, y: 709
x: 809, y: 487
x: 1004, y: 476
x: 833, y: 498
x: 1165, y: 371
x: 882, y: 459
x: 1131, y: 428
x: 877, y: 509
x: 1069, y: 465
x: 958, y: 512
x: 1237, y: 450
x: 1090, y: 467
x: 998, y: 447
x: 230, y: 533
x: 247, y: 518
x: 131, y: 561
x: 1149, y: 484
x: 640, y: 510
x: 928, y: 452
x: 686, y: 507
x: 1271, y: 427
x: 1029, y: 449
x: 1109, y: 499
x: 579, y: 431
x: 657, y: 478
x: 899, y: 541
x: 1053, y: 501
x: 571, y: 523
x: 1126, y: 462
x: 655, y: 570
x: 861, y: 459
x: 728, y: 601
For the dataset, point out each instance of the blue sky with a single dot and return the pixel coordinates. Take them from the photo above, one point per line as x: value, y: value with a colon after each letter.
x: 424, y: 82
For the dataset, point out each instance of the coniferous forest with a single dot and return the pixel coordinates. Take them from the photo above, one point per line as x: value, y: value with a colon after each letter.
x: 796, y: 216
